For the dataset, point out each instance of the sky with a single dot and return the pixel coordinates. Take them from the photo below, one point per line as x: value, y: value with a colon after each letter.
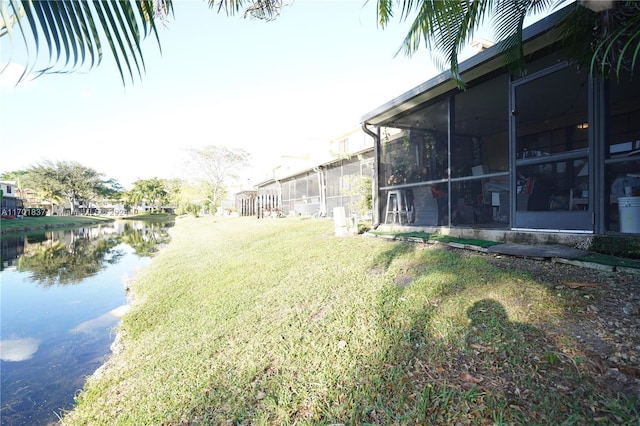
x: 279, y: 88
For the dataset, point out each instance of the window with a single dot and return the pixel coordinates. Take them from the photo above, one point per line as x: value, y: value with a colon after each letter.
x: 552, y: 150
x: 552, y: 141
x: 481, y: 142
x: 420, y: 154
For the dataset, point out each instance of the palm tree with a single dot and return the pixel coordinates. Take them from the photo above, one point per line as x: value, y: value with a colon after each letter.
x: 73, y: 32
x: 603, y: 34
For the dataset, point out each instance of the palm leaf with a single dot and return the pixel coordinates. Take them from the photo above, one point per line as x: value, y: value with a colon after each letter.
x: 72, y: 32
x: 89, y: 33
x: 73, y: 29
x: 621, y: 38
x: 384, y: 12
x: 266, y: 10
x: 444, y: 27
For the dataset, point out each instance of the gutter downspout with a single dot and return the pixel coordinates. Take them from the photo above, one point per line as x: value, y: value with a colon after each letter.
x: 322, y: 189
x: 375, y: 187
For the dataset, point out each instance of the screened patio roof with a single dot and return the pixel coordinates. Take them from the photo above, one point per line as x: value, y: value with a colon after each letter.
x: 405, y: 111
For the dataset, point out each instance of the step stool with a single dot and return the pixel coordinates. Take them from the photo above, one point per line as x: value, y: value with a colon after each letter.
x: 397, y: 207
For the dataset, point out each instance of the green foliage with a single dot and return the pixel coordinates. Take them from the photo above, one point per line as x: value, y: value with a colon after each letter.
x: 149, y: 192
x: 363, y: 227
x: 191, y: 208
x: 68, y: 180
x: 360, y: 186
x: 607, y: 40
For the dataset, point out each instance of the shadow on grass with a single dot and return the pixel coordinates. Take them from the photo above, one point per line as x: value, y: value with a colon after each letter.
x: 491, y: 370
x: 397, y: 250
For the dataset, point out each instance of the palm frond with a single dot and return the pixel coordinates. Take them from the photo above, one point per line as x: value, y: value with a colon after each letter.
x: 65, y: 35
x: 71, y: 33
x: 445, y: 27
x: 265, y: 10
x: 508, y: 22
x: 607, y: 42
x: 384, y: 12
x: 617, y: 39
x: 260, y: 9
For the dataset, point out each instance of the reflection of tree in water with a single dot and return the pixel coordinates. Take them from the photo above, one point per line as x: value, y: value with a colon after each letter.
x: 83, y: 253
x: 56, y: 262
x: 145, y: 240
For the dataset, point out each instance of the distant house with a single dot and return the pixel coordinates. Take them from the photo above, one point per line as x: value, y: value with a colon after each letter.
x: 10, y: 201
x: 319, y: 185
x: 554, y: 152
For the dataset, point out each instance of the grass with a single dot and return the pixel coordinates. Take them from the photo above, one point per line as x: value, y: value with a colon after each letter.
x: 47, y: 222
x: 159, y: 217
x: 277, y: 321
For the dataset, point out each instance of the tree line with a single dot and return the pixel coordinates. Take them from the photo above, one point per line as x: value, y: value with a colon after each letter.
x: 81, y: 189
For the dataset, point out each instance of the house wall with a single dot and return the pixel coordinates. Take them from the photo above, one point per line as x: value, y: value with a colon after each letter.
x: 10, y: 199
x: 340, y: 190
x: 318, y: 190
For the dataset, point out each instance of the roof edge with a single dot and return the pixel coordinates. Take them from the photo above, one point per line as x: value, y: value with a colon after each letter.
x: 535, y: 37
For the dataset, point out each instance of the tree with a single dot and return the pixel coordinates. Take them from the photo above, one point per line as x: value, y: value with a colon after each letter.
x: 186, y: 197
x: 602, y: 34
x: 43, y: 179
x: 65, y: 179
x: 213, y: 167
x: 110, y: 190
x: 149, y: 192
x: 79, y: 184
x: 73, y: 31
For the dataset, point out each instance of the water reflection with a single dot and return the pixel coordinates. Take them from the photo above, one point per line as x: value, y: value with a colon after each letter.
x: 18, y: 349
x: 70, y: 256
x: 62, y: 291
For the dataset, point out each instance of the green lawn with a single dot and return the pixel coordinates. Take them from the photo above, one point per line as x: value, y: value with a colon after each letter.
x: 277, y: 321
x: 151, y: 217
x: 46, y: 222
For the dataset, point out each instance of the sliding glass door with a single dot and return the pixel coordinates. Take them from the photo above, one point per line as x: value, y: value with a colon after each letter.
x: 550, y: 127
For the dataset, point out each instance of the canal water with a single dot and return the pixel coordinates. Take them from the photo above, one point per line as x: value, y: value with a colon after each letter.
x: 61, y: 294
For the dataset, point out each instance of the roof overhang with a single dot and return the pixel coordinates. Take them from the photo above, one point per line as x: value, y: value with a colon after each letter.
x: 536, y: 37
